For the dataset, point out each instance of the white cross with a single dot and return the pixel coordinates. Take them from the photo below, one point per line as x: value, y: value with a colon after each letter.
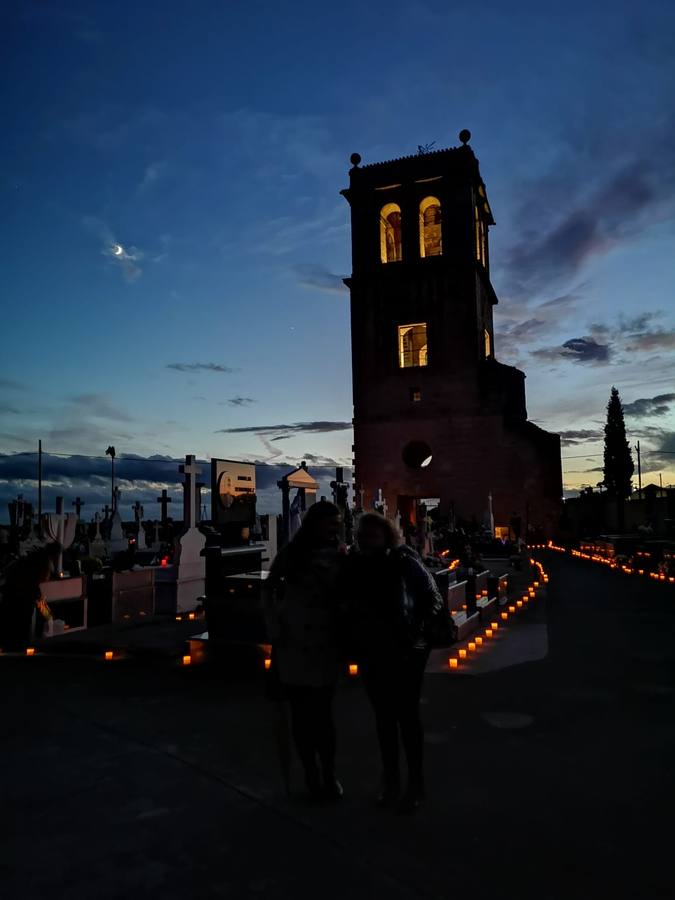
x: 190, y: 469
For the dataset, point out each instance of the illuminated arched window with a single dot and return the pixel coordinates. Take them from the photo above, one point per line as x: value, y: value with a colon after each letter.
x: 430, y: 227
x: 481, y: 236
x: 390, y: 233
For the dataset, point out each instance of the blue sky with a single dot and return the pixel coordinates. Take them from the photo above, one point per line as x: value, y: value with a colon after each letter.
x: 208, y: 143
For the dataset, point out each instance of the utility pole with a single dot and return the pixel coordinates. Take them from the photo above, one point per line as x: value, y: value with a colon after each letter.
x: 639, y: 471
x: 111, y: 453
x: 40, y: 488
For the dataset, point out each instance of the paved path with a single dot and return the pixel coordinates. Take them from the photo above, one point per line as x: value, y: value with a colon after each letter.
x: 548, y: 779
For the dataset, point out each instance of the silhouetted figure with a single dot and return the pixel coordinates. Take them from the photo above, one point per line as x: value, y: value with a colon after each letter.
x: 302, y: 615
x: 22, y: 596
x: 392, y: 598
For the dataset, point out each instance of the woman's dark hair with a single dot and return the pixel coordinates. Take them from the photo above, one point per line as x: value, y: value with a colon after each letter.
x: 386, y: 526
x: 294, y: 555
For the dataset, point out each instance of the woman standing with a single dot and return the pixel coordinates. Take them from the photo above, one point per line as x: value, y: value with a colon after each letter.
x: 393, y: 598
x: 23, y: 611
x: 301, y: 608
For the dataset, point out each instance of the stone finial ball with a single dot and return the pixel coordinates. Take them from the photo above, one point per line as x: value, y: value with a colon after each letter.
x: 355, y: 159
x: 465, y: 135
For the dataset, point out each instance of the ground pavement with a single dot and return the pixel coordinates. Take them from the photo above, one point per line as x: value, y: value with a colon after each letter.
x: 548, y: 779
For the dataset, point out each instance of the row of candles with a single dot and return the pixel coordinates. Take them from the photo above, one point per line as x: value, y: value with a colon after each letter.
x: 477, y: 643
x: 613, y: 564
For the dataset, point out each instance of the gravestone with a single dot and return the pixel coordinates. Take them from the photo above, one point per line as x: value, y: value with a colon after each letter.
x: 60, y: 527
x: 188, y: 559
x: 117, y: 542
x: 138, y: 515
x: 97, y: 545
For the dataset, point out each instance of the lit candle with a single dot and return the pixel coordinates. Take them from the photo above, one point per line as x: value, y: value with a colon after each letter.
x: 108, y: 654
x: 30, y: 651
x: 519, y: 603
x: 535, y: 584
x: 179, y: 618
x: 472, y: 646
x: 512, y: 609
x: 268, y: 663
x: 504, y: 616
x: 494, y: 625
x: 191, y: 616
x: 489, y: 632
x: 462, y: 653
x: 453, y: 662
x: 187, y: 660
x: 353, y: 669
x: 479, y: 641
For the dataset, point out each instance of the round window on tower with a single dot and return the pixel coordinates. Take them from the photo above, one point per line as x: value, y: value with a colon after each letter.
x: 417, y: 455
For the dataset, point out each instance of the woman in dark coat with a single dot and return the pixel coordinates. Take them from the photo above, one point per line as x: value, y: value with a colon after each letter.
x: 392, y: 600
x: 302, y: 616
x: 22, y: 596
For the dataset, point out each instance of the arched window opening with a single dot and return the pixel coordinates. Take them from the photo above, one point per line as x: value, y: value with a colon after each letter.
x: 430, y: 227
x: 412, y: 345
x: 481, y: 237
x: 390, y: 233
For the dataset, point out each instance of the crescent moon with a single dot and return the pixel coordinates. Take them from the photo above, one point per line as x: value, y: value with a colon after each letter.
x: 118, y: 249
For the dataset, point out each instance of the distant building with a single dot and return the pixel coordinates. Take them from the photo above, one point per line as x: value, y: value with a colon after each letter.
x: 435, y: 414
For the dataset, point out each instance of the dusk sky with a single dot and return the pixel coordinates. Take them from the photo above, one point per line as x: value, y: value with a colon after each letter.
x: 173, y: 241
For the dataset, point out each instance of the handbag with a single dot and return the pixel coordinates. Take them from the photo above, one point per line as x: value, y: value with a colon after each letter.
x: 440, y: 631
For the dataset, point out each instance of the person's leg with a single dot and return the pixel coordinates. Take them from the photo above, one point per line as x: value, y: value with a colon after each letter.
x: 326, y: 741
x: 381, y: 698
x: 410, y: 722
x: 302, y: 725
x: 325, y: 737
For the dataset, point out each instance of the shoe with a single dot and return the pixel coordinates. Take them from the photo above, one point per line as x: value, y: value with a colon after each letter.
x: 411, y: 800
x: 332, y: 789
x: 388, y: 796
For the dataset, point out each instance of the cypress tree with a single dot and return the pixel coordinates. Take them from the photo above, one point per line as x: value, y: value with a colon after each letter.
x: 618, y: 464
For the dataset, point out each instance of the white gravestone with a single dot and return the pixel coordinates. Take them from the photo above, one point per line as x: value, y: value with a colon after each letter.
x: 97, y: 545
x: 60, y: 527
x: 191, y: 565
x: 140, y: 539
x: 118, y: 542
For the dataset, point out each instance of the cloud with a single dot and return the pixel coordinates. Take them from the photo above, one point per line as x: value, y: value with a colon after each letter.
x: 11, y: 384
x: 318, y: 427
x: 573, y: 438
x: 100, y: 407
x: 153, y: 172
x: 319, y: 278
x: 239, y: 401
x: 649, y: 406
x: 664, y: 454
x: 520, y: 323
x: 200, y: 367
x: 658, y: 339
x: 580, y: 350
x: 578, y: 209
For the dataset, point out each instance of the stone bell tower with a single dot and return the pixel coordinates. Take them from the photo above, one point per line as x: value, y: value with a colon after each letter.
x: 435, y: 415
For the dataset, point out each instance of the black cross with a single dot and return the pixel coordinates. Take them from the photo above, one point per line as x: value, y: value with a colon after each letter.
x: 164, y: 501
x: 78, y: 504
x: 138, y: 511
x: 106, y: 510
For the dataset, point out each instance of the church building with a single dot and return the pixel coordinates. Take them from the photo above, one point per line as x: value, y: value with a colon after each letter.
x: 436, y: 416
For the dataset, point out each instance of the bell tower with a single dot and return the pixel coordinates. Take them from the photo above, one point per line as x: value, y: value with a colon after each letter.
x: 435, y: 415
